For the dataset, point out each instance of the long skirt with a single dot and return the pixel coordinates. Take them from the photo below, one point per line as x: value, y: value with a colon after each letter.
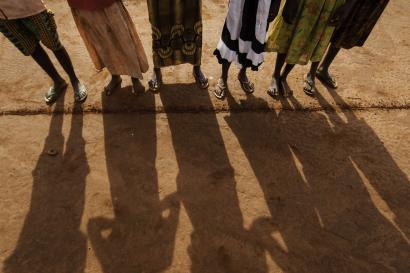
x: 112, y: 40
x: 244, y: 33
x: 357, y: 26
x: 309, y: 36
x: 176, y: 31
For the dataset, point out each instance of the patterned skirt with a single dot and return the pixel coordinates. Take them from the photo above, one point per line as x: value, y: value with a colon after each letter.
x: 176, y: 31
x: 244, y: 33
x: 309, y: 36
x: 26, y: 33
x: 357, y: 26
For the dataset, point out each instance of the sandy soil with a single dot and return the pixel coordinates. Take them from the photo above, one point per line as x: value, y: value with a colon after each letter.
x: 377, y: 75
x: 320, y: 191
x: 230, y: 192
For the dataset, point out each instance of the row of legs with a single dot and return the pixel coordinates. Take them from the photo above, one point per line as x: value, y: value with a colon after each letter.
x: 59, y: 84
x: 278, y: 85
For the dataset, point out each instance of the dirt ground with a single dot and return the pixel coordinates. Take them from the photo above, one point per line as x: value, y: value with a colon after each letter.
x: 376, y: 75
x: 175, y: 182
x: 231, y: 192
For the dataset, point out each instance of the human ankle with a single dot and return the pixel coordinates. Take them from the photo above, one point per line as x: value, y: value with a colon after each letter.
x: 59, y: 81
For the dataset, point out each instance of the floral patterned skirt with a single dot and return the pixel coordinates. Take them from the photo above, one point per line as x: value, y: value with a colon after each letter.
x: 176, y: 31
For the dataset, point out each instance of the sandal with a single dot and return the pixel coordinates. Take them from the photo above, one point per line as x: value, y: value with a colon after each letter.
x: 154, y: 84
x: 201, y: 80
x: 112, y: 85
x: 221, y: 89
x: 326, y: 79
x: 247, y: 86
x: 80, y: 93
x: 310, y: 87
x: 54, y: 93
x: 274, y: 90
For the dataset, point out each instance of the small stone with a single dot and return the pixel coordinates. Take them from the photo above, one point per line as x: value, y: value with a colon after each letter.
x: 52, y: 152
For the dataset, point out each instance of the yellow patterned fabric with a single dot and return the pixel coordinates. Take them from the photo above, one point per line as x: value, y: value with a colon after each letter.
x: 176, y: 31
x: 26, y: 33
x: 309, y: 36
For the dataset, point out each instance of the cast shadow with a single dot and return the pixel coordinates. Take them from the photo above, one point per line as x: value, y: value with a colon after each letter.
x: 206, y: 187
x: 139, y: 238
x: 324, y: 217
x: 51, y: 240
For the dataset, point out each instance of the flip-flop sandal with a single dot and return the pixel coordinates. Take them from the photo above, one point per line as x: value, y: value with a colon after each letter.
x: 201, y: 80
x: 247, y: 86
x: 81, y: 93
x: 220, y: 90
x: 111, y: 87
x: 154, y: 85
x: 54, y: 93
x: 274, y: 90
x: 310, y: 88
x: 286, y: 91
x: 327, y: 80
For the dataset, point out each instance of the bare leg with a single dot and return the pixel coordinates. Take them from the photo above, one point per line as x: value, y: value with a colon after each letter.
x: 113, y: 84
x: 313, y: 70
x: 310, y: 85
x: 329, y: 58
x: 43, y: 60
x: 225, y: 71
x: 222, y: 85
x: 65, y: 61
x: 137, y: 87
x: 275, y: 85
x: 280, y: 61
x: 200, y: 77
x: 323, y: 71
x: 286, y: 90
x: 246, y: 85
x: 286, y: 71
x: 80, y: 91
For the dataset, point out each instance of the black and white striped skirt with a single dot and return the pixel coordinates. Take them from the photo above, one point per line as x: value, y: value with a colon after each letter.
x: 244, y: 33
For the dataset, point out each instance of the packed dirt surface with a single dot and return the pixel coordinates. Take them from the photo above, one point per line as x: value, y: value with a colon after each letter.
x: 376, y: 75
x: 286, y: 191
x: 181, y: 182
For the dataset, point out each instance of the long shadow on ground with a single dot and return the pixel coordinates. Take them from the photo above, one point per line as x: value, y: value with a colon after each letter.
x: 51, y: 240
x: 140, y: 239
x: 338, y: 201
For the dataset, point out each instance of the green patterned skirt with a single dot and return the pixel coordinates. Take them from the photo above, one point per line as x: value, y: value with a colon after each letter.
x: 309, y: 36
x: 176, y: 31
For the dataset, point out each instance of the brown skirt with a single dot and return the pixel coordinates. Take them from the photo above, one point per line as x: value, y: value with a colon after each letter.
x: 112, y: 40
